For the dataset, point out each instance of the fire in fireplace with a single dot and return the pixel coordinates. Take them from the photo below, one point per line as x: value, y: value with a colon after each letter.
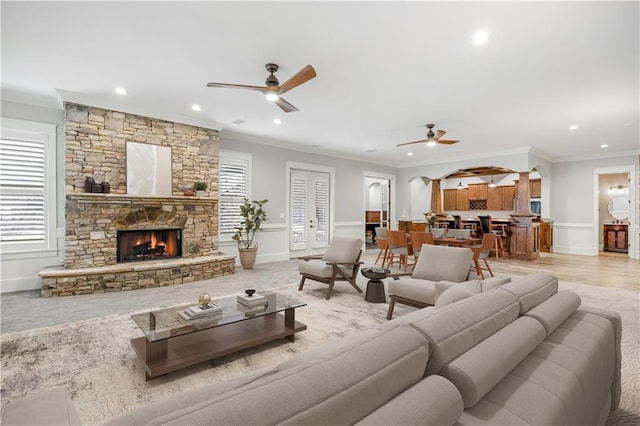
x: 149, y: 244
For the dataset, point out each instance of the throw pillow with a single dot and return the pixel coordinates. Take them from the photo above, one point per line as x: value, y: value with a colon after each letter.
x: 452, y: 295
x: 452, y: 292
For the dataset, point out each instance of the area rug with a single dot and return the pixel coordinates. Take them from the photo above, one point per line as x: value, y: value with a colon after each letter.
x: 93, y: 359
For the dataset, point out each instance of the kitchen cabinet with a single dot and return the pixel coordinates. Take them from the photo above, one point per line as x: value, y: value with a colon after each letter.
x: 535, y: 187
x: 478, y: 191
x: 494, y: 198
x: 508, y: 195
x: 449, y: 203
x: 616, y: 237
x: 462, y: 199
x: 546, y: 236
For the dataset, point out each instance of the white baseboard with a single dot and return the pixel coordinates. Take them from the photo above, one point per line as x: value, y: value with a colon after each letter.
x: 587, y: 251
x: 20, y: 284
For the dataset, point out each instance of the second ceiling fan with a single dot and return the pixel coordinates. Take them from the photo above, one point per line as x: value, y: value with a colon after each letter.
x: 432, y: 138
x: 273, y: 89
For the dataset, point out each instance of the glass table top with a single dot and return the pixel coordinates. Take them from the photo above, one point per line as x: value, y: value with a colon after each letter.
x: 164, y: 323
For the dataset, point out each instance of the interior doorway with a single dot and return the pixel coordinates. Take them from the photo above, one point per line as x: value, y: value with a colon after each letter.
x: 378, y: 194
x: 614, y: 215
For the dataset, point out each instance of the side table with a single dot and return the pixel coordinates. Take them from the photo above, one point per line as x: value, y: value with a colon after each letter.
x: 375, y: 286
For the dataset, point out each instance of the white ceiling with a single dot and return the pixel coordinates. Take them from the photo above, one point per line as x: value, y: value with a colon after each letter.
x: 384, y: 69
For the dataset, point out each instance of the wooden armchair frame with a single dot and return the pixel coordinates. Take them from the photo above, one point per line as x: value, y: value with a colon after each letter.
x: 337, y: 275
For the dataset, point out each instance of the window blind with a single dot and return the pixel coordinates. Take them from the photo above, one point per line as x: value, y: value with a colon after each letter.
x: 22, y: 191
x: 233, y: 189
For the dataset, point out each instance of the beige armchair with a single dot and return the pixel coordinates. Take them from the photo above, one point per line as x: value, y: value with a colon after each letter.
x: 435, y: 263
x: 340, y: 262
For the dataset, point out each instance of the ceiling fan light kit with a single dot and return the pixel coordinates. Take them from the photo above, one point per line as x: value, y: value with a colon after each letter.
x: 272, y: 89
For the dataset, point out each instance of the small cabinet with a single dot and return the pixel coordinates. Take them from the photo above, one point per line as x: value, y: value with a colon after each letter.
x: 535, y: 187
x: 546, y: 236
x: 494, y: 198
x: 616, y: 237
x: 462, y: 199
x: 449, y: 203
x: 478, y: 191
x: 508, y: 195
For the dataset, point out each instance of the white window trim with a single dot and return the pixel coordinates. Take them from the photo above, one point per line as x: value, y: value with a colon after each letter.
x: 11, y: 128
x: 234, y: 155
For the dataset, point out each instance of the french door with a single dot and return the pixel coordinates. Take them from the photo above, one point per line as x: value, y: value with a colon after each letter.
x: 309, y: 209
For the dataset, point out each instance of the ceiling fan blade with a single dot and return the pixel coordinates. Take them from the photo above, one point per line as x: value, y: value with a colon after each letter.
x: 410, y: 143
x: 440, y: 133
x: 304, y: 75
x: 237, y: 86
x: 285, y: 106
x: 447, y: 142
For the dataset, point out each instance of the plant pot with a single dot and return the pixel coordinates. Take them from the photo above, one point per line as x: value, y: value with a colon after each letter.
x: 248, y: 257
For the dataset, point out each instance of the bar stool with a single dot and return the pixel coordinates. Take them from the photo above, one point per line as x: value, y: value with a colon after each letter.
x: 498, y: 230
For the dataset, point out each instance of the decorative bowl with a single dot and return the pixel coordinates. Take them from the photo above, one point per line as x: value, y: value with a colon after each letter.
x: 250, y: 292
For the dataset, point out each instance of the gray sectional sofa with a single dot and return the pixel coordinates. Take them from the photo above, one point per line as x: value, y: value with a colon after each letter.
x: 521, y: 353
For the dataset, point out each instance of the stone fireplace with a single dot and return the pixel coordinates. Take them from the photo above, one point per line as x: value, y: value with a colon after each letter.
x: 177, y: 235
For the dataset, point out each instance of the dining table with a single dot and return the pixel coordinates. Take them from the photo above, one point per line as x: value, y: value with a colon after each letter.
x: 456, y: 242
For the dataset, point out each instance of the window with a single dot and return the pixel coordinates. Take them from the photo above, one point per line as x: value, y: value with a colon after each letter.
x: 27, y: 186
x: 234, y: 177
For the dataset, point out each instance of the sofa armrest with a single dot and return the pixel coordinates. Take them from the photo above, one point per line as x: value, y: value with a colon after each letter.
x: 616, y: 321
x: 432, y: 401
x: 49, y: 407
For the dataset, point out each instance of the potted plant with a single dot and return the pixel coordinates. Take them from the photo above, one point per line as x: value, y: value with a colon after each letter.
x: 431, y: 217
x: 200, y: 188
x: 253, y: 215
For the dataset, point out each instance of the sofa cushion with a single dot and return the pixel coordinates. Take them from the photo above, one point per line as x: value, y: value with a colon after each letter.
x: 456, y: 328
x: 343, y: 249
x: 49, y: 407
x: 482, y: 367
x: 553, y: 311
x: 144, y: 414
x: 319, y: 268
x: 443, y: 406
x: 493, y: 282
x: 339, y: 390
x: 414, y: 289
x: 438, y: 263
x: 453, y: 295
x: 532, y: 289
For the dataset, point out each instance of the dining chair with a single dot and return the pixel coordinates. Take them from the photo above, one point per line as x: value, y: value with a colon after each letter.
x: 482, y: 252
x: 457, y: 224
x: 417, y: 240
x: 499, y: 231
x: 397, y: 241
x: 383, y: 244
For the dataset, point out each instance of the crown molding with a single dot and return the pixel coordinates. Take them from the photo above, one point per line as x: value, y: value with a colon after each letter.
x: 597, y: 156
x: 126, y: 107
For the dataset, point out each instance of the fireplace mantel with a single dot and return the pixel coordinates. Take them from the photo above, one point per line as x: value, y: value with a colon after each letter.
x: 143, y: 199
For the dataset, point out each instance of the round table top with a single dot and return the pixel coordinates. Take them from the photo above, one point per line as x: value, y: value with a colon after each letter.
x: 375, y: 273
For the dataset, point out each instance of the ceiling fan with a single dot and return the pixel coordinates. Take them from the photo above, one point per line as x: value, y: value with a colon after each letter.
x: 432, y: 138
x: 273, y: 89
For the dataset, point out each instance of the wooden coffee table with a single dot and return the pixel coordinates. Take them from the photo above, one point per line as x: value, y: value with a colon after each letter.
x: 170, y: 342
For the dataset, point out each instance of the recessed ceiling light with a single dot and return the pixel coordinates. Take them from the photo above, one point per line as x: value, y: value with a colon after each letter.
x: 196, y: 107
x: 604, y: 145
x: 277, y: 121
x: 409, y: 154
x: 573, y: 127
x: 480, y: 37
x: 121, y: 91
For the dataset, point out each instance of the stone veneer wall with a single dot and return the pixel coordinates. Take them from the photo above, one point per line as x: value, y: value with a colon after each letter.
x: 96, y: 146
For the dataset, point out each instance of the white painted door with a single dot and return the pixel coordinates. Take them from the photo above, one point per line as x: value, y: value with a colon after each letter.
x: 309, y: 205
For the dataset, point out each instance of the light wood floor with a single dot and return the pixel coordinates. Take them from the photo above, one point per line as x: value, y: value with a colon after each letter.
x: 606, y: 270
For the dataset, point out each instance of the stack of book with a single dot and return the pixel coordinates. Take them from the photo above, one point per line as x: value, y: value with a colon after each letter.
x: 251, y: 304
x: 199, y: 311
